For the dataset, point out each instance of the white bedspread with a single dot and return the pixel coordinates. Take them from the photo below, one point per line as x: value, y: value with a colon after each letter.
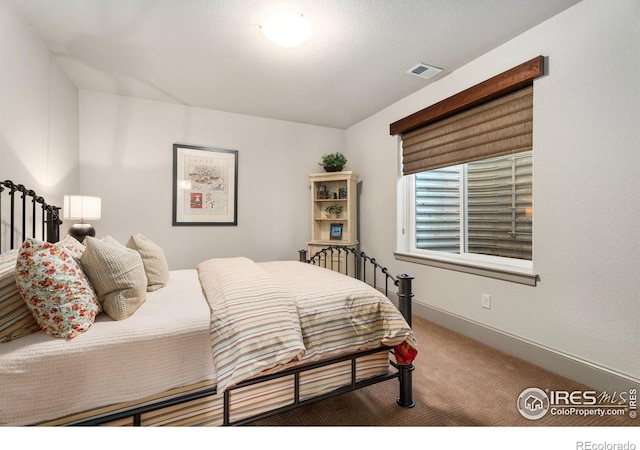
x: 163, y: 344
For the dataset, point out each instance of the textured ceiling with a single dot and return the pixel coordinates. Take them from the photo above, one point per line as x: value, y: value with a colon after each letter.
x: 212, y: 54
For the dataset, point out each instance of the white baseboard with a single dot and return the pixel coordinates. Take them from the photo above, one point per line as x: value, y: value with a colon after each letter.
x: 592, y: 375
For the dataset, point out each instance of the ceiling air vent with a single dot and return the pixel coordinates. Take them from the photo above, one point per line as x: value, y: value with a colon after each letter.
x: 424, y: 71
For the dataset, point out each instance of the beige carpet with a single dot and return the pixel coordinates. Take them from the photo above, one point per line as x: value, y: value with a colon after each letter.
x: 457, y: 382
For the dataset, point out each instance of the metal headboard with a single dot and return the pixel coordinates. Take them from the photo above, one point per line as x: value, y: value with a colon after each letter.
x: 27, y: 215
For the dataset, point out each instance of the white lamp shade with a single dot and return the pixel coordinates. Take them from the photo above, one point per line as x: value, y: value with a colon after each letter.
x: 81, y: 207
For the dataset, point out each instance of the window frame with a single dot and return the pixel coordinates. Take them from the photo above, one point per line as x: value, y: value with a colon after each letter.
x: 501, y: 84
x: 503, y: 268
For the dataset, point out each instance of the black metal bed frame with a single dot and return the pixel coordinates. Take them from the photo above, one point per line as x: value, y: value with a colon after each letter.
x: 46, y: 215
x: 49, y: 219
x: 405, y: 398
x: 404, y: 373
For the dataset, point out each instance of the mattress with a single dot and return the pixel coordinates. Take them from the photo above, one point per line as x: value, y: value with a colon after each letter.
x: 163, y: 344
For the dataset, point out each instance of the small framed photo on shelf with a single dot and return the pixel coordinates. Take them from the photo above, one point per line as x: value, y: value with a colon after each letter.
x: 336, y: 232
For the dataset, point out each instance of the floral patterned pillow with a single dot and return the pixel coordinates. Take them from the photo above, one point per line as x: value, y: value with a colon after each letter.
x: 72, y: 246
x: 55, y: 289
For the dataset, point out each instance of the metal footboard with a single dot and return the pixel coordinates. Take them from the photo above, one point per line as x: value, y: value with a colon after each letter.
x: 363, y: 266
x: 365, y: 269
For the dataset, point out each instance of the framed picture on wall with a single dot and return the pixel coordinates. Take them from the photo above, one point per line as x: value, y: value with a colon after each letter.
x: 336, y: 231
x: 205, y: 186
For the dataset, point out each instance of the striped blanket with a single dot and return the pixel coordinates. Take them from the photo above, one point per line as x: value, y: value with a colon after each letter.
x: 266, y: 315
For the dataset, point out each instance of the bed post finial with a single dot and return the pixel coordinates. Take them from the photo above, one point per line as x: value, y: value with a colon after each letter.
x: 303, y: 255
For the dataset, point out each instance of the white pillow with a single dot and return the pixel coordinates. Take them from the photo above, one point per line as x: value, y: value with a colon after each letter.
x: 117, y: 274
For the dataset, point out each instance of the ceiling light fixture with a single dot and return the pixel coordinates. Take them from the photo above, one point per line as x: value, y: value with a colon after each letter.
x: 286, y: 29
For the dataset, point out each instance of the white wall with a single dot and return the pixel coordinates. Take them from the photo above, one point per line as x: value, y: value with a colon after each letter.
x: 126, y: 157
x: 586, y: 191
x: 38, y: 113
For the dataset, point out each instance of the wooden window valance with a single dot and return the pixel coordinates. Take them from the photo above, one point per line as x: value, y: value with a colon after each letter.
x: 493, y: 118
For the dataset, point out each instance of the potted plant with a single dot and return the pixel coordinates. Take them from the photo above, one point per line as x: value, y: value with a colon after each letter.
x: 333, y: 162
x: 334, y: 210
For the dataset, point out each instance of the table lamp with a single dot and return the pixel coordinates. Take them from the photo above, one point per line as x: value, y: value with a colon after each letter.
x: 81, y: 207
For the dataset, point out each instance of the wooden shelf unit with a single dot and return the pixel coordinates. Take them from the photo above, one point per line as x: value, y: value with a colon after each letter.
x: 329, y: 188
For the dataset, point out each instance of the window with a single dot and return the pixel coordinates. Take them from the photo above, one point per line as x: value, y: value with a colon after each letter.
x: 467, y: 179
x: 475, y: 218
x: 484, y: 208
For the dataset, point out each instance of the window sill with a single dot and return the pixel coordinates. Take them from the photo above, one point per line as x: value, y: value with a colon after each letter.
x: 514, y: 275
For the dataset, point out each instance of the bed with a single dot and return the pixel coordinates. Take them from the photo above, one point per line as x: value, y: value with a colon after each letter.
x: 102, y: 333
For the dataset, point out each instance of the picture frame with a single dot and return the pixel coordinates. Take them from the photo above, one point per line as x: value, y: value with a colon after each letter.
x: 322, y: 192
x: 335, y: 232
x: 205, y: 186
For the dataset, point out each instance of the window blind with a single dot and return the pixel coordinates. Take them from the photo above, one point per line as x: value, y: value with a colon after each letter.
x: 503, y: 126
x: 437, y: 213
x: 499, y: 198
x: 500, y: 201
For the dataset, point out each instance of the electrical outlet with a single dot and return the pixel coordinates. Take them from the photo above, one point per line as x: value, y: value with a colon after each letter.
x: 486, y: 301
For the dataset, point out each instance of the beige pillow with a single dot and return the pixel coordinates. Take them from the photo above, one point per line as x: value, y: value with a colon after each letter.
x: 117, y: 275
x: 153, y: 259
